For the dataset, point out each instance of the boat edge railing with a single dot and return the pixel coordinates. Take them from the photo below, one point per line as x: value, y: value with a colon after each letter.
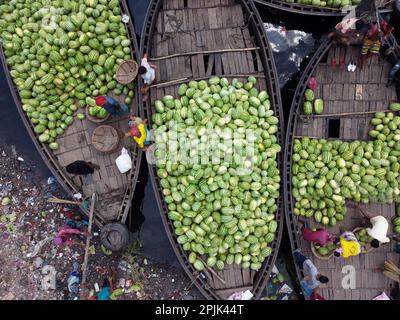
x: 130, y: 190
x: 309, y: 9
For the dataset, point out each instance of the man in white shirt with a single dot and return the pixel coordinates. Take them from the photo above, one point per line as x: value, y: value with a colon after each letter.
x: 146, y: 70
x: 379, y: 228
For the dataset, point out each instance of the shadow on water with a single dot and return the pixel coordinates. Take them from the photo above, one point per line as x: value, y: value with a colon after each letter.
x: 138, y: 9
x: 12, y: 129
x: 145, y: 221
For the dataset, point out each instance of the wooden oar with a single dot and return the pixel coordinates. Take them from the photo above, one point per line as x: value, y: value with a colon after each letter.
x: 88, y: 238
x: 212, y: 271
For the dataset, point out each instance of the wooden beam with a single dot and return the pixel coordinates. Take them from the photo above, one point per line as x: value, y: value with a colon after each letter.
x: 345, y: 114
x: 202, y: 52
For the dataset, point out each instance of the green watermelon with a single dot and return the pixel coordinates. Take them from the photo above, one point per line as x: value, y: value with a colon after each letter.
x: 318, y: 106
x: 309, y: 95
x: 307, y: 108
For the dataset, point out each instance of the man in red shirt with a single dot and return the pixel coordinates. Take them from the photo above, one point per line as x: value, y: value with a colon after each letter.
x: 320, y: 236
x: 316, y: 296
x: 372, y: 40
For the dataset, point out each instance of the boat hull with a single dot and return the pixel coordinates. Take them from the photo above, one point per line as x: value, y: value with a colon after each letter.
x: 51, y: 159
x: 296, y: 129
x: 259, y: 279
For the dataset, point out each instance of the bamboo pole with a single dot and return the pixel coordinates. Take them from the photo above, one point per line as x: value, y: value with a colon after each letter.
x: 344, y: 114
x: 299, y: 137
x: 175, y: 55
x: 181, y: 80
x: 88, y: 238
x: 64, y: 201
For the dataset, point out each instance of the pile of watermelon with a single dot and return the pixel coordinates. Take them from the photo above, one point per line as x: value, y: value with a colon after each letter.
x: 60, y: 53
x: 325, y: 173
x: 95, y: 110
x: 328, y: 3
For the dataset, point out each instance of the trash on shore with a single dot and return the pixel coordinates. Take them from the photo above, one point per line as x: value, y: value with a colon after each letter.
x: 34, y: 267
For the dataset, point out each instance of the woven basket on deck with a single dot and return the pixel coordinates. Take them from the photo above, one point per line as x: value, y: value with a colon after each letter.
x: 127, y: 72
x: 368, y: 247
x: 316, y: 253
x: 95, y: 119
x: 105, y: 139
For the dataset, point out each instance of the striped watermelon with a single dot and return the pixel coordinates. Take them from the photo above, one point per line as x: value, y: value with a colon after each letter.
x: 93, y: 56
x: 347, y: 155
x: 72, y: 61
x: 326, y: 156
x: 63, y: 40
x: 98, y: 69
x: 380, y: 173
x: 108, y: 42
x: 80, y: 58
x: 48, y: 78
x: 91, y: 76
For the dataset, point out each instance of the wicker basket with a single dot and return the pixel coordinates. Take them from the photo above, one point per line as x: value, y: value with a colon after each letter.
x: 127, y: 72
x: 316, y: 253
x: 368, y: 247
x: 95, y: 119
x: 105, y: 139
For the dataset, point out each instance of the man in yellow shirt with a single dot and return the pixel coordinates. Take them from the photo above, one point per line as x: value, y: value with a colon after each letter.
x: 139, y: 132
x: 349, y: 245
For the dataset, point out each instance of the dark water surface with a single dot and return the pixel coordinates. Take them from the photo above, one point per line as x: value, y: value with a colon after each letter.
x: 292, y: 43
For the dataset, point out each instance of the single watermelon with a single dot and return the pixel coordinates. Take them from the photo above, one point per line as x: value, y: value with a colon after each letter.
x: 309, y: 95
x: 307, y: 108
x: 318, y: 106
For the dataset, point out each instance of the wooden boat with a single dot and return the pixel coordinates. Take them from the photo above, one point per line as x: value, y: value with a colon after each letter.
x: 350, y: 101
x: 194, y: 40
x: 114, y: 190
x: 303, y: 9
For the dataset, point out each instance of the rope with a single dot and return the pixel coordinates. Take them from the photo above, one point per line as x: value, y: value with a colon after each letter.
x: 245, y: 26
x: 176, y: 26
